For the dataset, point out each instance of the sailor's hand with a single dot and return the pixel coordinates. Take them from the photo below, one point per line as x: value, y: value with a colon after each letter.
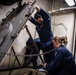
x: 44, y: 65
x: 37, y: 8
x: 30, y: 1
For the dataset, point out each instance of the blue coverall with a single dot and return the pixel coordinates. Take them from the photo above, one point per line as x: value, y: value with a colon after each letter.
x: 45, y: 34
x: 62, y: 63
x: 32, y: 51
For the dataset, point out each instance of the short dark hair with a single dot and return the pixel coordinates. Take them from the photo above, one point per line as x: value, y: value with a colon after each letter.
x: 29, y: 42
x: 36, y: 16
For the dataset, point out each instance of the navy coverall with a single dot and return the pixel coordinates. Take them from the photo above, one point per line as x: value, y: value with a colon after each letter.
x: 62, y: 63
x: 32, y: 51
x: 45, y: 33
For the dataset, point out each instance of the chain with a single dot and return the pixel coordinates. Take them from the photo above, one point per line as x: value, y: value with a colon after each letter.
x: 27, y: 55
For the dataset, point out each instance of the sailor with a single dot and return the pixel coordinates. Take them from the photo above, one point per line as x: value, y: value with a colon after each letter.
x: 42, y: 22
x: 63, y: 61
x: 30, y: 49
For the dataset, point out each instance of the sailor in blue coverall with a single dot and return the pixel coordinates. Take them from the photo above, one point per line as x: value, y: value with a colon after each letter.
x: 30, y: 49
x: 63, y: 62
x: 42, y: 22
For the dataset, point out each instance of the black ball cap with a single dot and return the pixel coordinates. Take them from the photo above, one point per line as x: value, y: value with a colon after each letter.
x: 36, y: 16
x: 29, y: 42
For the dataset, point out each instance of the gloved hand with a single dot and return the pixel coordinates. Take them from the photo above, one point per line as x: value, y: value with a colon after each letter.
x: 37, y: 8
x: 44, y: 65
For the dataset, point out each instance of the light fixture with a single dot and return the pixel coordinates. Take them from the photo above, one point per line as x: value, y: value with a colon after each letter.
x: 70, y: 2
x: 75, y: 0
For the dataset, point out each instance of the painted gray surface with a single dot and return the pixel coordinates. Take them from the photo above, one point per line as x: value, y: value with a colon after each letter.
x: 14, y: 23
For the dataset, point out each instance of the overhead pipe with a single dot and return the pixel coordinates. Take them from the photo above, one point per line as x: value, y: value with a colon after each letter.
x: 62, y: 10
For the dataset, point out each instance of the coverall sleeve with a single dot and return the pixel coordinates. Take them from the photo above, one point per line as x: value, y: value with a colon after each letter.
x: 44, y: 15
x: 32, y: 20
x: 56, y: 61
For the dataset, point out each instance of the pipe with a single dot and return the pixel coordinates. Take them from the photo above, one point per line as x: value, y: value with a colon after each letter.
x: 62, y: 10
x: 74, y: 29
